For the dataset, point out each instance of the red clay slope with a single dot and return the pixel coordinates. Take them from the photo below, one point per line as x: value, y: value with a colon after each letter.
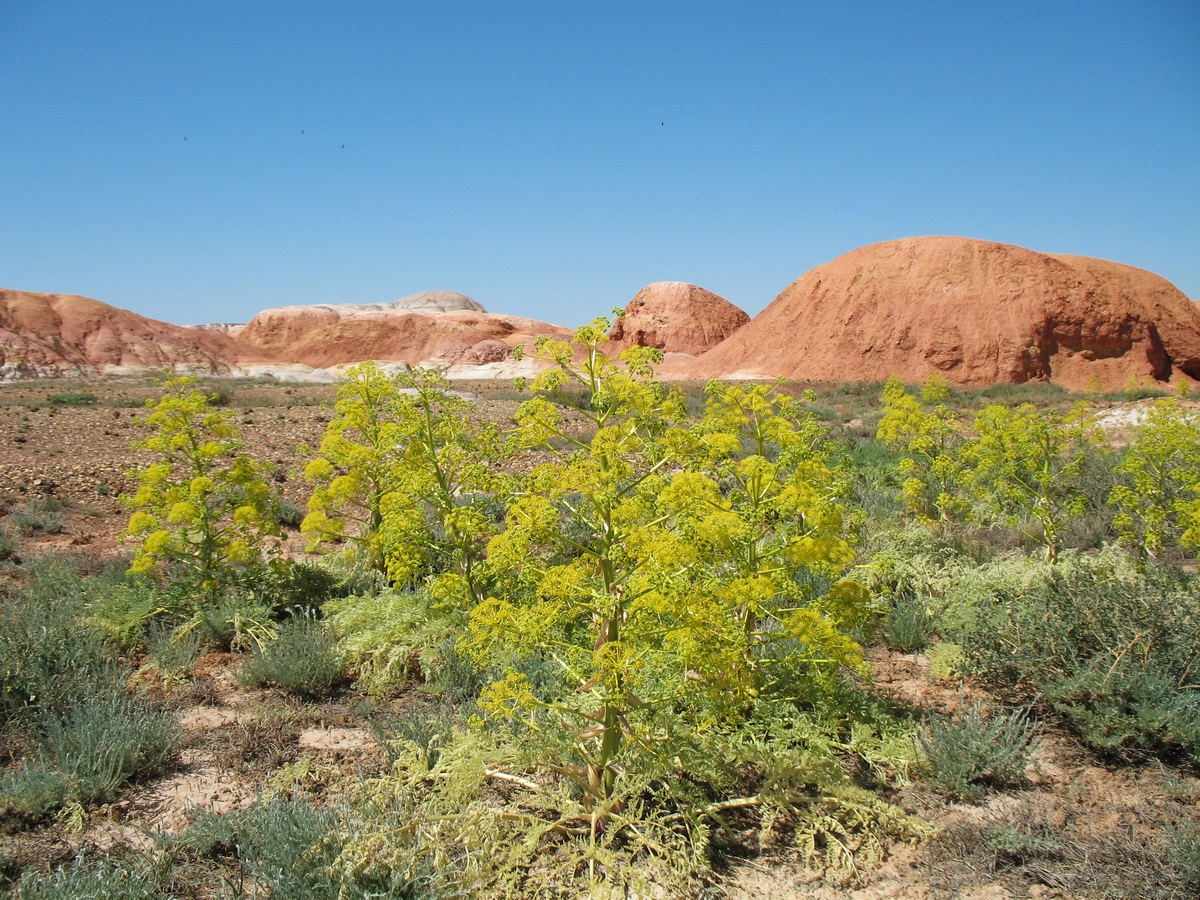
x: 675, y: 317
x: 325, y: 336
x: 975, y: 311
x: 62, y: 334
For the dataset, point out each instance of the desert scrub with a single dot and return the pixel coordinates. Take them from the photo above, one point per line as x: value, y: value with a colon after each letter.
x: 1109, y: 646
x: 1036, y: 393
x: 912, y: 565
x: 908, y: 625
x: 302, y: 660
x: 1184, y: 851
x: 173, y: 654
x: 102, y: 879
x: 86, y: 753
x: 291, y: 585
x: 39, y: 515
x: 287, y: 514
x: 48, y: 658
x: 10, y: 542
x: 974, y: 751
x: 235, y: 621
x: 284, y: 847
x: 72, y: 398
x: 63, y: 700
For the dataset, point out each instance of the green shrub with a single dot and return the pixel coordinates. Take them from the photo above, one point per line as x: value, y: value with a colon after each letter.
x: 353, y: 574
x: 1110, y: 647
x: 974, y: 751
x: 1134, y: 392
x: 924, y: 568
x: 869, y: 391
x: 875, y: 484
x: 1037, y: 392
x: 1093, y: 527
x: 124, y: 611
x: 48, y: 660
x: 302, y: 660
x: 299, y: 584
x: 1020, y: 843
x: 10, y: 542
x: 234, y: 622
x: 1185, y: 852
x: 173, y: 652
x: 72, y: 398
x: 455, y: 675
x: 908, y: 626
x: 288, y: 514
x: 428, y: 728
x: 286, y: 848
x: 1024, y: 467
x: 1128, y: 704
x: 39, y: 515
x: 87, y: 880
x: 87, y: 752
x: 434, y: 833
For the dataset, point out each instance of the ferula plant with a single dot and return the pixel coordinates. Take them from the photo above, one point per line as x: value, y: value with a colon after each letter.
x: 1158, y: 502
x: 1021, y: 465
x: 404, y: 476
x: 671, y: 571
x: 202, y: 510
x: 931, y: 434
x: 1027, y: 463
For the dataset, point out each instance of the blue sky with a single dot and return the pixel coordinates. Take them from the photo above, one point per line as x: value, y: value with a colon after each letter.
x: 550, y: 159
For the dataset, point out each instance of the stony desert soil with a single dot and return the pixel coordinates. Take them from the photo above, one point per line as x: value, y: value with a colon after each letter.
x: 1083, y: 827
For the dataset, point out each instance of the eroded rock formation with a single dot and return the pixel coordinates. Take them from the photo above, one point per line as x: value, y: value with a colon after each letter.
x: 444, y: 335
x: 63, y: 334
x: 676, y: 318
x: 975, y: 311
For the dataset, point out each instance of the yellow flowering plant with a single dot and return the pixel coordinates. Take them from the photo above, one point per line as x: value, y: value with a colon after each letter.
x: 1158, y: 500
x: 402, y: 475
x: 930, y: 433
x: 202, y: 510
x: 671, y: 571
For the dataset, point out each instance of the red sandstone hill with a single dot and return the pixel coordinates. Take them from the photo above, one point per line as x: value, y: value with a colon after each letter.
x: 676, y: 318
x: 404, y: 332
x: 975, y: 311
x: 62, y: 334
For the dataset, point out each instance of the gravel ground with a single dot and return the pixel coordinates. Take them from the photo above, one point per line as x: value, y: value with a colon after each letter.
x: 55, y: 444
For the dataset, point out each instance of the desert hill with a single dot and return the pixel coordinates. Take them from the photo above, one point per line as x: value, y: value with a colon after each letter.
x: 436, y: 328
x: 63, y: 334
x: 977, y: 312
x: 676, y: 318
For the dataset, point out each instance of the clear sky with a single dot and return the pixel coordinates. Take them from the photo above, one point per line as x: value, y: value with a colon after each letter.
x: 201, y: 161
